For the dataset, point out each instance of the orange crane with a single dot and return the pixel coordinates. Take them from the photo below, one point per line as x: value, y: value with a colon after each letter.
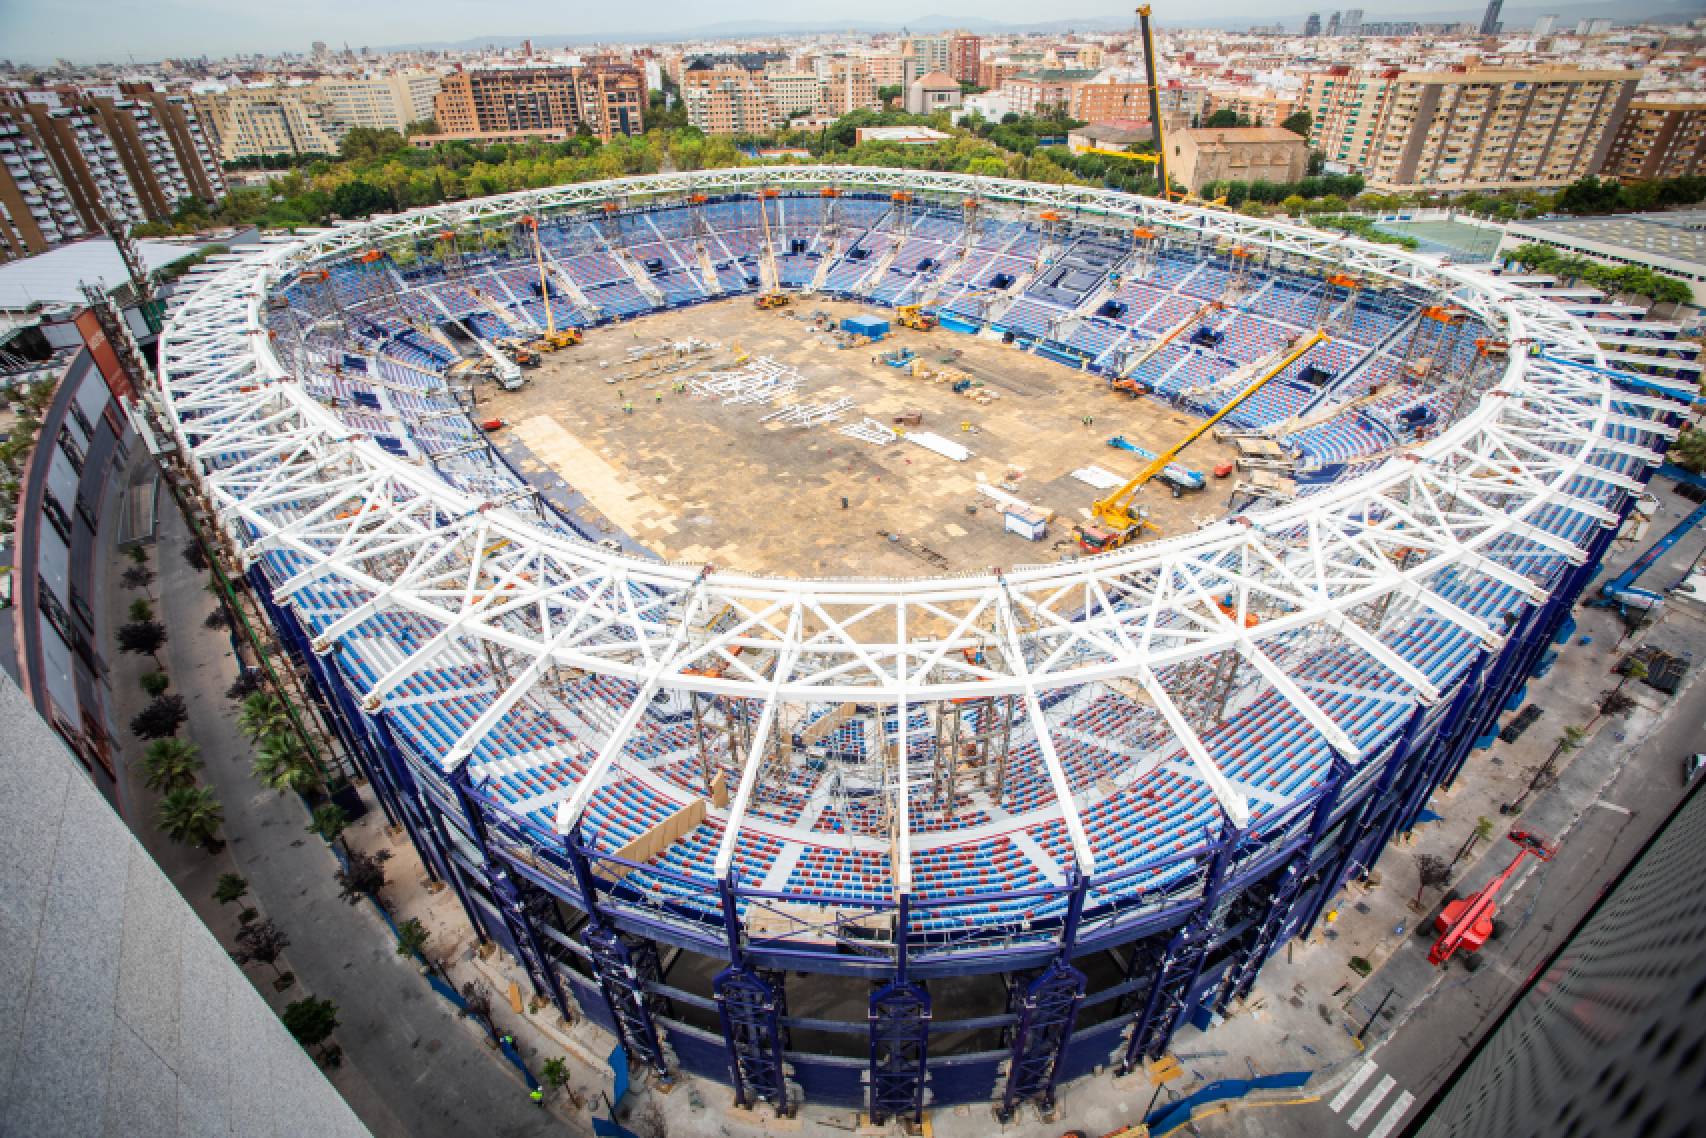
x: 1466, y: 924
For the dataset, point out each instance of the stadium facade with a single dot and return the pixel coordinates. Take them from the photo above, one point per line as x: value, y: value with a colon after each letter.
x: 889, y: 842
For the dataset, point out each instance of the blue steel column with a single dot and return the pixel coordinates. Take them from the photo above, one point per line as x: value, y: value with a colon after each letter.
x: 1358, y: 819
x: 1181, y: 963
x: 750, y: 1007
x: 519, y: 902
x: 626, y: 969
x: 1048, y: 1010
x: 899, y: 1014
x: 1283, y: 895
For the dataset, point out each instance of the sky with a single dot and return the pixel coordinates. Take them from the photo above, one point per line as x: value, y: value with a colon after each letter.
x: 113, y: 30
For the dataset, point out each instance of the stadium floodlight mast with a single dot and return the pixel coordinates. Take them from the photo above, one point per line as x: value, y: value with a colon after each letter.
x: 285, y: 476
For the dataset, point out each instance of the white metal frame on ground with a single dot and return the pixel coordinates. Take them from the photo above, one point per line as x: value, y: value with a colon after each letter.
x: 283, y: 473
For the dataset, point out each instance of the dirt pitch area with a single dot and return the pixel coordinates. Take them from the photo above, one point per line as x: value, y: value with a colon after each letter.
x: 694, y: 479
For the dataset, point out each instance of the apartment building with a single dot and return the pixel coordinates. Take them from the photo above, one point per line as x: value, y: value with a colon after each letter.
x: 726, y: 99
x: 965, y: 54
x: 606, y: 98
x: 1039, y: 92
x: 848, y: 87
x: 893, y: 70
x: 71, y: 158
x: 932, y: 52
x: 1660, y: 137
x: 1468, y: 129
x: 383, y: 102
x: 270, y: 118
x: 1261, y: 108
x: 793, y: 92
x: 1098, y: 101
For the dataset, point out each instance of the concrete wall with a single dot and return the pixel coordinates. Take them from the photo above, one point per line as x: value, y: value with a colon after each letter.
x: 120, y: 1014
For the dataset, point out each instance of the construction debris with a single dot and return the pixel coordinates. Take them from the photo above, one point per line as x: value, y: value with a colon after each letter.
x: 762, y: 380
x: 808, y: 414
x: 869, y: 430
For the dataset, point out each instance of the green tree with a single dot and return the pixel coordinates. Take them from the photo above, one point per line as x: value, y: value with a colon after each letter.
x: 1225, y: 117
x: 161, y: 718
x: 263, y: 714
x: 1298, y: 123
x: 329, y: 821
x: 359, y: 198
x: 412, y: 937
x: 168, y: 764
x: 231, y: 887
x: 155, y: 683
x: 142, y: 638
x: 141, y: 610
x: 311, y: 1022
x: 363, y: 875
x: 191, y: 816
x: 262, y: 942
x: 1689, y: 450
x: 282, y: 763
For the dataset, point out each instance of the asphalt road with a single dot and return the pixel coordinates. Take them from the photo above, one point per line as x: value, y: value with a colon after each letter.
x: 1436, y: 1015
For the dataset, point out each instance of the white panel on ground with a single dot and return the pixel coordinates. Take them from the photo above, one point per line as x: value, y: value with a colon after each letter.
x: 931, y: 441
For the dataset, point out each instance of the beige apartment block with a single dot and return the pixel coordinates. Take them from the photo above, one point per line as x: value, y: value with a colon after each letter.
x: 247, y: 122
x: 383, y: 102
x: 1660, y: 137
x: 1468, y: 129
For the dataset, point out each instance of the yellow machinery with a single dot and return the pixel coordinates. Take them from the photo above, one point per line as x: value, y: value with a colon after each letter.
x: 1112, y: 520
x: 772, y: 300
x: 914, y: 316
x: 552, y: 340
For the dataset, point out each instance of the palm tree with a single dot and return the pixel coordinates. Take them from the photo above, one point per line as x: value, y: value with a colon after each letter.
x: 263, y: 714
x: 329, y: 820
x: 191, y: 815
x: 170, y: 763
x: 1689, y: 451
x: 282, y: 763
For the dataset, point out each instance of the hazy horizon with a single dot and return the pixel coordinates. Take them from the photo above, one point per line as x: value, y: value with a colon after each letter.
x: 113, y: 31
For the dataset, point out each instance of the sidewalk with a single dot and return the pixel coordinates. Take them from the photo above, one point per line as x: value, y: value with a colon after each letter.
x: 411, y: 1067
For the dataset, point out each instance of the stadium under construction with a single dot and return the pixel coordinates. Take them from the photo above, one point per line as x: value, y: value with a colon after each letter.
x: 902, y: 840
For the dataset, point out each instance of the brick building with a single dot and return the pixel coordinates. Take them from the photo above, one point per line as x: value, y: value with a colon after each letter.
x: 608, y: 99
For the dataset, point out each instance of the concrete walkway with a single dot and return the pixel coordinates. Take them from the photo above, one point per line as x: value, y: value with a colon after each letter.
x: 411, y: 1067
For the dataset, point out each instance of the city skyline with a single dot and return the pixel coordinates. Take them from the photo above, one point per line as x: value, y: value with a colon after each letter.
x: 86, y: 31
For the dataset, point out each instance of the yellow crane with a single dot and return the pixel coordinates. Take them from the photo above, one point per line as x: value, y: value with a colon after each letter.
x: 1112, y: 521
x: 553, y: 339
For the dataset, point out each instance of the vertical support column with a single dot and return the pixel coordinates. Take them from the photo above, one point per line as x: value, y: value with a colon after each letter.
x: 1047, y: 1007
x: 750, y: 1007
x: 899, y: 1014
x: 1182, y: 962
x: 624, y: 967
x: 520, y: 903
x: 1283, y: 895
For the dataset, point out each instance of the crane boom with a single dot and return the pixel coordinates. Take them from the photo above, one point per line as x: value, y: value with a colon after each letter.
x: 1114, y: 510
x: 1467, y: 924
x: 1154, y: 102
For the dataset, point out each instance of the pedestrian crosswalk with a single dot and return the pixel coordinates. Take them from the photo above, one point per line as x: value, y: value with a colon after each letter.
x: 1369, y: 1104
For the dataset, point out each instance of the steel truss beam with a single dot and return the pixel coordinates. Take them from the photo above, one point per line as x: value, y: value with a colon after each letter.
x: 290, y: 482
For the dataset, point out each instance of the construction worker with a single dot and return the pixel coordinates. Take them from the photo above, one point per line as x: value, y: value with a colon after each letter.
x: 537, y: 1094
x: 627, y: 406
x: 507, y: 1040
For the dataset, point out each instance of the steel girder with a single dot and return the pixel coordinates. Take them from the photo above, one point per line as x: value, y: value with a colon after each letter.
x: 291, y: 482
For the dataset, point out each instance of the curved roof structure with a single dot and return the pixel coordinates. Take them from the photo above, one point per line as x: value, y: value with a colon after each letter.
x: 1342, y: 612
